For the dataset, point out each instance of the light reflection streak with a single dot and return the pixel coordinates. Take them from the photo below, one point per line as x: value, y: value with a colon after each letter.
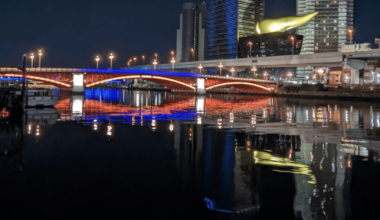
x: 268, y: 159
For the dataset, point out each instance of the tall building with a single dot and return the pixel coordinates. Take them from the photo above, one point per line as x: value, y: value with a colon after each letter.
x: 228, y: 21
x: 192, y: 33
x: 327, y: 31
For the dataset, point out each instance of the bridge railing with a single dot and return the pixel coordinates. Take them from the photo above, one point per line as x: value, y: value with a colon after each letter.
x: 240, y: 78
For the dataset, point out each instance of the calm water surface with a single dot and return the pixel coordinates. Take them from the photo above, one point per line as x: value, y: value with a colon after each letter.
x: 119, y: 154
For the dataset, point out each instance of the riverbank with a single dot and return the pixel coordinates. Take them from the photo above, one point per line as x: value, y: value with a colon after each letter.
x: 346, y: 92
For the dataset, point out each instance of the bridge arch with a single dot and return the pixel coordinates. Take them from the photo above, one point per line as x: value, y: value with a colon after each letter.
x: 42, y: 79
x: 239, y: 83
x: 156, y: 79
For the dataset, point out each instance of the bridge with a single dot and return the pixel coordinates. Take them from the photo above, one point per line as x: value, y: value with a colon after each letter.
x: 78, y: 79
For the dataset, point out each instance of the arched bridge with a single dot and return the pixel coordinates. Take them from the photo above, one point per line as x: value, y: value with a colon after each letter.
x: 176, y: 81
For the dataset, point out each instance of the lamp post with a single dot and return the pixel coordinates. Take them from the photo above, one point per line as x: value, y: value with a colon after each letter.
x: 232, y: 71
x: 350, y: 31
x: 135, y: 59
x: 266, y: 75
x: 200, y: 68
x: 172, y: 52
x: 290, y: 75
x: 143, y: 58
x: 320, y: 72
x: 129, y: 62
x: 173, y: 62
x: 192, y: 54
x: 156, y: 56
x: 111, y: 58
x: 97, y: 61
x: 293, y: 45
x: 39, y: 57
x: 250, y: 49
x: 221, y: 68
x: 254, y: 69
x: 31, y: 57
x: 155, y: 64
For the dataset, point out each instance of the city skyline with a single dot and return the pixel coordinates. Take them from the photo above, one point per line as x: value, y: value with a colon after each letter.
x: 71, y: 34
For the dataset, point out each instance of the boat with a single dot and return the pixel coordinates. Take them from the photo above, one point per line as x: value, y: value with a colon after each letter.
x: 40, y: 97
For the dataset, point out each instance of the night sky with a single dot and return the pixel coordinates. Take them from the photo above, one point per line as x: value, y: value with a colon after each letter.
x: 73, y: 32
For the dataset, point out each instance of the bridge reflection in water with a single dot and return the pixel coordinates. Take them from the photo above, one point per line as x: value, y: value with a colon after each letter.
x: 249, y: 156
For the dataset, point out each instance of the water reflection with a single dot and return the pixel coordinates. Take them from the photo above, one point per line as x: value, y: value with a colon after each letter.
x: 233, y: 155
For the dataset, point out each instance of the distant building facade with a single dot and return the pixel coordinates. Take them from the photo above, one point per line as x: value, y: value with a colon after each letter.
x: 228, y: 21
x: 272, y: 44
x: 192, y: 33
x: 327, y: 31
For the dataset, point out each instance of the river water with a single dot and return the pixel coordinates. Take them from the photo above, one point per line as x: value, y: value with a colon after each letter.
x: 119, y: 154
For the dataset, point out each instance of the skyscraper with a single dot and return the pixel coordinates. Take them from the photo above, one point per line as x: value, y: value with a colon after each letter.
x: 329, y: 30
x: 192, y: 33
x: 229, y: 20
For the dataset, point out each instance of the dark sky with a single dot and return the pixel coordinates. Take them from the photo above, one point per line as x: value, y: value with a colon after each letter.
x: 72, y: 32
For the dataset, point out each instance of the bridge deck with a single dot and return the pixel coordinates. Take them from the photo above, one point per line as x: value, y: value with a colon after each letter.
x: 4, y: 70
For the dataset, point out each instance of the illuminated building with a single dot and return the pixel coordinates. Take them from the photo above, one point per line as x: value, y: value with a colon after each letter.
x: 273, y: 44
x: 327, y: 31
x: 192, y: 33
x: 228, y: 21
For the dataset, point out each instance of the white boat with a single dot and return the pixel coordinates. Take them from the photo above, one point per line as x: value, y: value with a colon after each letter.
x: 41, y: 97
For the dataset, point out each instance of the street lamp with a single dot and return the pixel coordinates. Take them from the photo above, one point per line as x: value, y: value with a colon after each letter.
x: 143, y: 58
x: 200, y: 68
x: 250, y: 49
x: 290, y: 74
x: 320, y: 72
x: 232, y: 71
x: 254, y: 69
x: 292, y: 45
x: 97, y: 61
x: 31, y: 57
x: 350, y: 31
x: 134, y: 59
x: 193, y: 55
x: 221, y: 67
x: 172, y: 52
x: 156, y: 55
x: 39, y: 56
x: 111, y: 57
x: 173, y: 62
x: 265, y: 75
x: 155, y: 64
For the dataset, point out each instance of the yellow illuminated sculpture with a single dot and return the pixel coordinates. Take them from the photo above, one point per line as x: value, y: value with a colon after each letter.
x: 282, y: 24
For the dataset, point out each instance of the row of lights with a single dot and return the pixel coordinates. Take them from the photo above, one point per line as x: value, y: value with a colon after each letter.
x: 134, y: 59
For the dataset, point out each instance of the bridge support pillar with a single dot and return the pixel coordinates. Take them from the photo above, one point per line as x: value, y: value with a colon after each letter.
x: 201, y: 86
x: 78, y: 85
x: 355, y: 66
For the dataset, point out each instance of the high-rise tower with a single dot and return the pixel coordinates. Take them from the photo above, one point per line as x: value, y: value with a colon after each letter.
x: 192, y: 33
x: 329, y: 30
x: 229, y: 20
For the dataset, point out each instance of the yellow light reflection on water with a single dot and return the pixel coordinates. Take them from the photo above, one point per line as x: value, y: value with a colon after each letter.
x: 268, y: 159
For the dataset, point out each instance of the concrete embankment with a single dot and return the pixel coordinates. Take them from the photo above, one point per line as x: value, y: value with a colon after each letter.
x: 347, y: 92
